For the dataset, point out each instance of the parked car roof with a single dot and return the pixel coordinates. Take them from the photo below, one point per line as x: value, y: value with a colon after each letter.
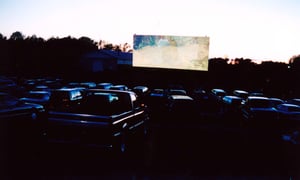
x: 232, y: 99
x: 177, y: 92
x: 257, y: 98
x: 180, y: 97
x: 104, y: 85
x: 241, y: 93
x: 218, y: 92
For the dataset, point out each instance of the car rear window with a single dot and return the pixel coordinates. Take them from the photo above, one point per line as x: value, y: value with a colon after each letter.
x: 104, y: 104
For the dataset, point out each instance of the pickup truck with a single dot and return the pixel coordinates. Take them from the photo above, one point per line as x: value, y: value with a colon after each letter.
x: 104, y: 118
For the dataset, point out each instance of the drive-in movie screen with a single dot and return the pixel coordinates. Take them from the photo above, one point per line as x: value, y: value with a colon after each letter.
x: 171, y: 52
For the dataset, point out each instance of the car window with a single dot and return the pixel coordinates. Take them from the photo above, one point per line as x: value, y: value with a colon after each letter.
x: 75, y: 95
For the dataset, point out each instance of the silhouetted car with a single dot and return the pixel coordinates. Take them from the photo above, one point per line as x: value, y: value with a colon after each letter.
x: 289, y: 115
x: 215, y: 102
x: 258, y: 111
x: 105, y: 118
x: 218, y: 93
x: 156, y: 102
x: 19, y: 121
x: 181, y: 108
x: 232, y: 103
x: 241, y: 93
x: 37, y: 97
x: 231, y: 108
x: 11, y: 108
x: 200, y: 95
x: 206, y: 102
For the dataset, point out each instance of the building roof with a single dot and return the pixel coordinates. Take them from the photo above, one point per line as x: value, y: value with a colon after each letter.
x: 109, y: 54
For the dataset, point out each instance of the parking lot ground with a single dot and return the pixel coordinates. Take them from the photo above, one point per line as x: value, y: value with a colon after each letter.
x: 169, y: 152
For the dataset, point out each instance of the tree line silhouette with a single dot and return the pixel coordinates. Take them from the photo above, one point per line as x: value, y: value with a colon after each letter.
x: 34, y: 56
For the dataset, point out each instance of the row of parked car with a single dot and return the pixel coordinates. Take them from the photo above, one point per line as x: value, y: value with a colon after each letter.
x: 106, y: 115
x: 258, y: 111
x: 216, y: 100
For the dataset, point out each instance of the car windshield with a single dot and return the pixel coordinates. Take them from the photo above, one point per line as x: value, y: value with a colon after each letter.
x: 104, y: 104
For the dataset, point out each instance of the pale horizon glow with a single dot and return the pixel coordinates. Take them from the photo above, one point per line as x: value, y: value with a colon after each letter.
x: 255, y: 29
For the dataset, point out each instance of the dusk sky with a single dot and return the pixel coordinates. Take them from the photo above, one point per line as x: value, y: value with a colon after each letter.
x: 255, y: 29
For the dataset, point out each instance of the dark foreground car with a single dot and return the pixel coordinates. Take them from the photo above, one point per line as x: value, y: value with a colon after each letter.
x: 19, y: 120
x: 104, y: 119
x: 181, y: 109
x: 156, y: 101
x: 231, y: 108
x: 13, y: 108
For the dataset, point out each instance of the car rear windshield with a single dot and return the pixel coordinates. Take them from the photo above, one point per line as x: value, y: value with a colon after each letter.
x: 105, y: 104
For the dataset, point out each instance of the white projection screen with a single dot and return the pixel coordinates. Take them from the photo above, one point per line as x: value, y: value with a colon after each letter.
x: 171, y: 52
